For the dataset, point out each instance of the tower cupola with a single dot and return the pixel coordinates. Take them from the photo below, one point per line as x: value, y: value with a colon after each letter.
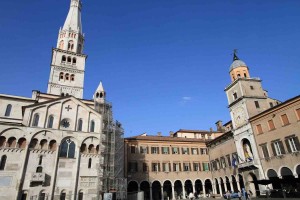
x: 238, y: 68
x: 99, y: 95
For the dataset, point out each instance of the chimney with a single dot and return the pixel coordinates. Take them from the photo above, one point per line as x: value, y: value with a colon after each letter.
x: 158, y: 133
x: 211, y: 129
x: 171, y: 134
x: 220, y: 126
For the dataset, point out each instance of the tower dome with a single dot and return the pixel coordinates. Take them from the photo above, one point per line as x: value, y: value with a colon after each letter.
x: 238, y: 68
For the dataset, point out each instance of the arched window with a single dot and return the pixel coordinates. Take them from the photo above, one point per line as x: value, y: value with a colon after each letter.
x: 61, y: 76
x: 43, y: 144
x: 11, y: 142
x: 92, y: 129
x: 90, y: 163
x: 42, y: 195
x: 74, y: 61
x: 69, y: 59
x: 70, y: 45
x: 97, y: 149
x: 83, y: 148
x: 40, y: 160
x: 63, y: 59
x: 3, y: 162
x: 39, y: 169
x: 80, y: 195
x: 50, y: 121
x: 22, y: 143
x: 72, y: 77
x: 2, y: 141
x: 33, y: 143
x: 97, y: 94
x: 67, y: 149
x: 8, y: 110
x: 67, y: 77
x: 61, y: 44
x: 62, y: 94
x: 36, y: 118
x: 91, y: 148
x: 62, y: 195
x: 52, y: 145
x: 80, y: 125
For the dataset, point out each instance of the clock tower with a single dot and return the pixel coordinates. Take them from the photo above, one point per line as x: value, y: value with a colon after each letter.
x: 246, y: 98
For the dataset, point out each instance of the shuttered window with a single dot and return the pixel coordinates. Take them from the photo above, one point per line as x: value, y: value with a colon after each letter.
x: 265, y: 151
x: 271, y: 125
x: 277, y: 148
x: 259, y: 129
x: 285, y: 120
x: 292, y: 144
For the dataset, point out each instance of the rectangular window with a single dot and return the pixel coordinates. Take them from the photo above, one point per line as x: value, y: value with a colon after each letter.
x: 205, y: 166
x: 251, y: 87
x: 195, y: 151
x: 271, y: 105
x: 277, y: 148
x: 132, y: 149
x: 223, y: 162
x: 154, y: 150
x: 265, y: 150
x: 298, y: 113
x: 203, y: 151
x: 175, y: 150
x: 143, y: 149
x: 259, y: 129
x: 285, y: 120
x: 292, y: 144
x: 196, y: 167
x: 186, y: 167
x: 271, y: 125
x: 145, y: 167
x: 228, y: 160
x: 155, y: 167
x: 165, y: 150
x: 166, y: 167
x: 176, y: 167
x: 256, y: 104
x: 185, y: 150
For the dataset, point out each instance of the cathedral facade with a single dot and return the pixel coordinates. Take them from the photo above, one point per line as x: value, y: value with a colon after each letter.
x: 53, y: 145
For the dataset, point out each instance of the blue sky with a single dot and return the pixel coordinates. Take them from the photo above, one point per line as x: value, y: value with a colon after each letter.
x: 164, y: 63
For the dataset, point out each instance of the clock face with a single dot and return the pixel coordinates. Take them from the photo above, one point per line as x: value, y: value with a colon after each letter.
x: 239, y: 116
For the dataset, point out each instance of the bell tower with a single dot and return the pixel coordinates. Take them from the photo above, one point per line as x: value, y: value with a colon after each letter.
x: 68, y: 60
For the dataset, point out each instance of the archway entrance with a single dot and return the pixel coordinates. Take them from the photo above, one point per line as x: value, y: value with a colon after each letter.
x: 217, y: 186
x: 132, y: 187
x: 178, y: 189
x: 241, y: 182
x: 145, y: 187
x: 208, y: 187
x: 234, y: 184
x: 289, y: 183
x: 167, y: 190
x: 156, y: 190
x: 253, y: 185
x: 188, y: 186
x: 228, y: 184
x: 198, y: 187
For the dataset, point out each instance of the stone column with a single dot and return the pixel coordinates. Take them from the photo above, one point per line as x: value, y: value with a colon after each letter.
x: 173, y: 193
x: 220, y: 188
x: 162, y: 193
x: 203, y: 189
x: 238, y: 185
x: 231, y: 186
x: 183, y: 192
x: 193, y: 188
x: 225, y: 186
x: 150, y: 192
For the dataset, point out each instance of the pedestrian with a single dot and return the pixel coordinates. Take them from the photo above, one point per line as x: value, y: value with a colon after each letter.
x: 196, y: 195
x: 191, y: 196
x: 228, y: 195
x: 246, y: 195
x: 240, y: 195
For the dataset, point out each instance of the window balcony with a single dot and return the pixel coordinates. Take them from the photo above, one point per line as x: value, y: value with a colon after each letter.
x: 38, y: 177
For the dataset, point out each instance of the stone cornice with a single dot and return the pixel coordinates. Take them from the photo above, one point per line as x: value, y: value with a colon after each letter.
x: 70, y: 52
x: 67, y: 69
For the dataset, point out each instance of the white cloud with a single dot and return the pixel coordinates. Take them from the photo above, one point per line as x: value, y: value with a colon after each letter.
x: 186, y: 98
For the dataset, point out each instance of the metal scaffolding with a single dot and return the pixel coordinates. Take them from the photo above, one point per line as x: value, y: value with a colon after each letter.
x: 111, y: 168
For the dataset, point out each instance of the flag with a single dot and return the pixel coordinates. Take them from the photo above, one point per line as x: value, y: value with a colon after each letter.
x: 234, y: 162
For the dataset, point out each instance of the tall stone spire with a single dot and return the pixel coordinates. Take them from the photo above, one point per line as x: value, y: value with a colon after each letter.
x: 73, y: 21
x: 68, y: 61
x: 70, y: 37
